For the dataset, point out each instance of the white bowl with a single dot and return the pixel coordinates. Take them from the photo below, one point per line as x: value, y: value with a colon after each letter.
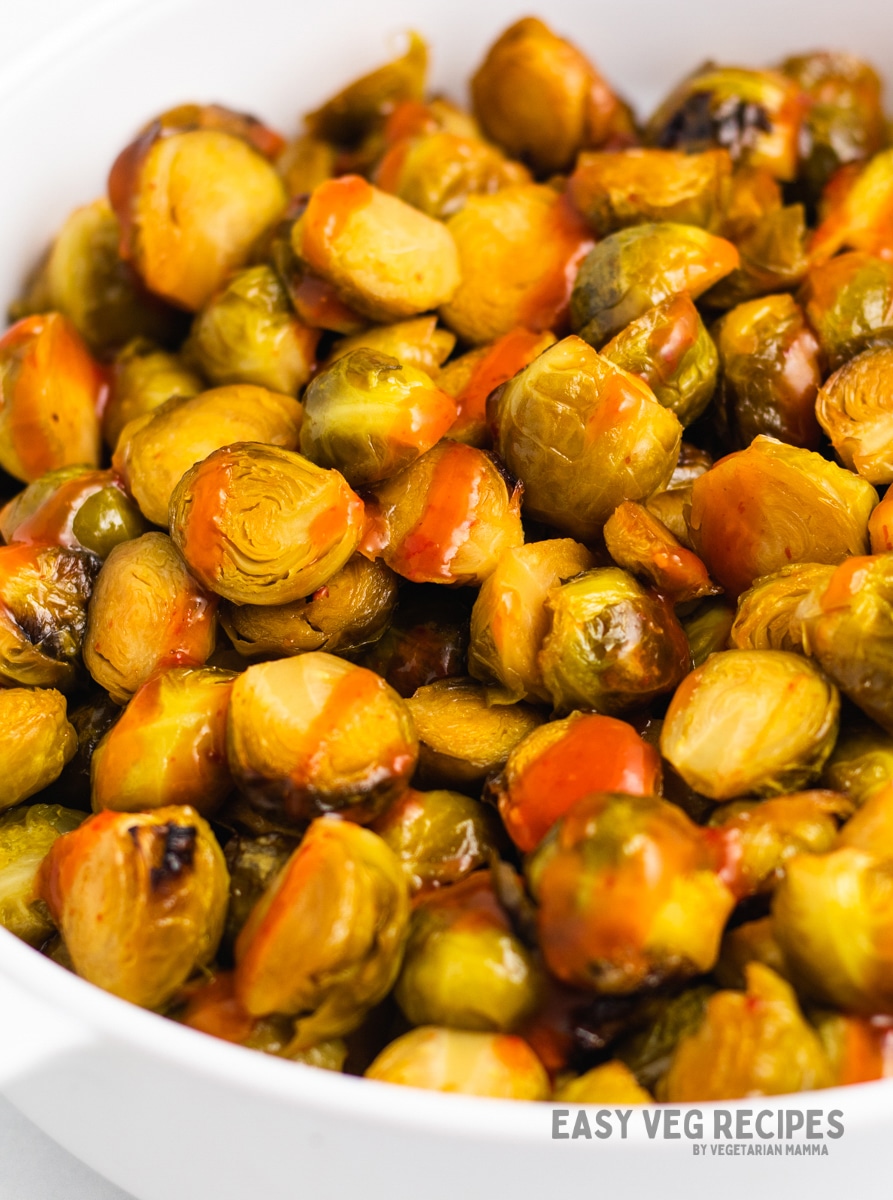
x: 165, y: 1112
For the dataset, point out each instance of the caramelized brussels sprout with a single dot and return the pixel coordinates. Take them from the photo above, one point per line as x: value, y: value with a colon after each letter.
x: 770, y: 372
x: 642, y: 545
x: 634, y: 269
x: 880, y: 525
x: 670, y: 349
x: 562, y: 761
x: 253, y: 864
x: 51, y: 392
x: 427, y: 639
x: 142, y: 378
x: 612, y: 645
x: 771, y: 505
x: 518, y: 253
x: 261, y: 525
x: 751, y: 722
x: 708, y: 629
x: 419, y: 343
x: 154, y: 451
x: 316, y: 734
x: 370, y: 416
x: 140, y: 899
x: 767, y: 616
x: 583, y: 436
x: 628, y: 895
x: 848, y: 301
x: 449, y: 516
x: 861, y: 762
x: 169, y: 745
x: 753, y: 1043
x: 540, y: 99
x: 498, y: 1065
x: 146, y: 612
x: 857, y: 212
x: 325, y: 940
x: 466, y: 731
x: 611, y: 1083
x: 773, y: 257
x: 855, y: 409
x: 36, y: 741
x: 26, y: 837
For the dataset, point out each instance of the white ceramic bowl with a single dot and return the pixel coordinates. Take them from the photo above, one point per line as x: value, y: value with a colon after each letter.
x: 170, y: 1114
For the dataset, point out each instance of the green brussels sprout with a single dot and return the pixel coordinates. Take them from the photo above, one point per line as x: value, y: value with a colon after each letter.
x: 36, y: 741
x: 751, y: 722
x: 848, y: 301
x: 610, y: 1083
x: 861, y: 762
x: 634, y: 269
x: 767, y: 616
x: 612, y: 645
x: 142, y: 378
x: 774, y: 257
x: 253, y: 863
x: 853, y: 408
x: 582, y: 435
x: 427, y: 639
x: 644, y: 546
x: 670, y: 349
x: 26, y: 836
x: 418, y: 343
x: 647, y: 1052
x: 708, y: 629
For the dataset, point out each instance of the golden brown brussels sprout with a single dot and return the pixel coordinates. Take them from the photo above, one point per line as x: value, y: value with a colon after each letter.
x: 755, y: 115
x: 880, y: 525
x: 518, y: 253
x: 51, y: 393
x: 770, y: 505
x: 751, y: 722
x: 753, y: 194
x: 770, y: 372
x: 611, y: 1083
x: 438, y: 837
x: 849, y: 303
x: 466, y: 731
x: 642, y: 545
x: 417, y: 343
x: 861, y: 762
x: 448, y: 517
x: 464, y: 968
x: 767, y: 616
x: 327, y: 936
x: 261, y: 525
x: 628, y: 895
x: 509, y: 620
x: 498, y: 1065
x: 140, y: 899
x: 370, y: 416
x: 634, y: 269
x: 670, y: 349
x: 855, y: 409
x: 427, y: 640
x: 553, y: 767
x: 248, y: 334
x: 856, y: 212
x: 708, y: 629
x: 540, y: 99
x: 773, y: 257
x: 753, y: 1043
x: 169, y: 745
x: 583, y: 436
x: 316, y: 734
x: 154, y: 451
x: 36, y: 741
x: 612, y: 645
x: 253, y: 864
x: 146, y: 612
x: 346, y: 614
x: 858, y: 1049
x: 26, y: 837
x: 142, y: 378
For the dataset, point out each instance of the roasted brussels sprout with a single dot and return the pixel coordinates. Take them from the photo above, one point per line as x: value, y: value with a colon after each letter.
x: 91, y: 720
x: 634, y: 269
x: 773, y: 257
x: 498, y: 1065
x: 36, y: 741
x: 855, y: 409
x: 418, y: 343
x: 848, y: 301
x: 642, y: 545
x: 261, y: 525
x: 51, y: 392
x: 880, y: 525
x: 858, y: 1048
x: 316, y: 734
x: 140, y: 899
x: 628, y: 895
x: 657, y: 1022
x: 861, y: 762
x: 583, y: 436
x: 26, y: 837
x: 871, y: 827
x: 770, y: 505
x: 306, y: 162
x: 427, y: 639
x: 767, y: 616
x: 708, y: 629
x: 142, y: 378
x: 856, y: 211
x: 253, y: 864
x: 751, y: 722
x: 611, y: 1083
x: 146, y: 612
x: 612, y: 645
x: 754, y: 941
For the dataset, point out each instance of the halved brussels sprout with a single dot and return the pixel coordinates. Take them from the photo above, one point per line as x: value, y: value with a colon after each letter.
x: 848, y: 301
x: 262, y: 525
x: 146, y: 612
x: 773, y: 257
x: 642, y: 545
x: 634, y: 269
x: 628, y: 895
x: 612, y: 645
x: 856, y: 212
x: 26, y: 837
x: 140, y: 899
x: 611, y: 1083
x: 449, y: 516
x: 52, y: 393
x: 767, y: 616
x: 426, y: 640
x: 855, y: 409
x: 880, y: 525
x: 253, y: 864
x: 498, y: 1065
x: 518, y: 253
x: 36, y: 741
x: 861, y: 762
x: 583, y: 436
x: 767, y: 506
x: 708, y: 629
x: 418, y: 343
x: 554, y: 766
x: 316, y: 734
x: 142, y: 378
x: 466, y: 731
x: 751, y: 722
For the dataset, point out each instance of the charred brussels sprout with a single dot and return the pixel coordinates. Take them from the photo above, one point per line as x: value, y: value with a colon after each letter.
x: 261, y: 525
x: 708, y: 629
x: 36, y: 741
x: 612, y: 645
x: 142, y: 378
x: 642, y: 545
x: 419, y: 343
x: 848, y: 301
x: 253, y: 864
x: 767, y: 616
x: 426, y: 640
x: 140, y: 899
x: 855, y: 409
x: 370, y: 416
x: 751, y: 722
x: 26, y: 837
x: 315, y: 734
x: 861, y: 762
x: 856, y: 211
x: 611, y: 1083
